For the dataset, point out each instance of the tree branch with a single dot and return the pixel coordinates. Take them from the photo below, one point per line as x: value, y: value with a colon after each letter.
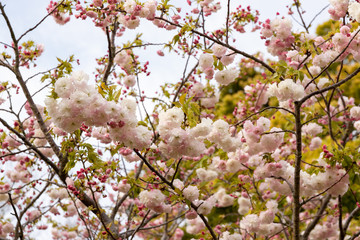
x: 17, y: 233
x: 317, y: 218
x: 172, y: 187
x: 225, y: 45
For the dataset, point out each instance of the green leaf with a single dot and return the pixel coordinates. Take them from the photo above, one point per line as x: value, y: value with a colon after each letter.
x: 220, y: 66
x: 175, y: 39
x: 208, y: 50
x: 70, y: 164
x: 301, y: 75
x: 182, y: 99
x: 142, y: 123
x: 178, y: 191
x: 117, y: 95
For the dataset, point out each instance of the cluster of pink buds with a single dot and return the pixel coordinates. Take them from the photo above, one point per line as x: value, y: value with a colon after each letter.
x: 81, y: 173
x: 114, y: 124
x: 59, y: 17
x: 327, y: 153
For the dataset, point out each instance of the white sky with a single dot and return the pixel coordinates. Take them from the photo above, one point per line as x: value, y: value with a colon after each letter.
x: 87, y: 42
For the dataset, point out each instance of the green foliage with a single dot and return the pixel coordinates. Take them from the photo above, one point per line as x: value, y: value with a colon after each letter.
x: 78, y: 151
x: 327, y: 27
x: 190, y: 108
x: 221, y: 215
x: 110, y: 92
x: 63, y: 69
x: 164, y: 6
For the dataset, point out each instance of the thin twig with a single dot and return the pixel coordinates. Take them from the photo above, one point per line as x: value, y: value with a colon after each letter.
x: 327, y: 189
x: 205, y: 221
x: 334, y: 60
x: 176, y: 170
x: 312, y: 20
x: 342, y: 233
x: 227, y: 22
x: 317, y: 218
x: 140, y: 225
x: 349, y: 77
x: 349, y: 218
x: 297, y: 4
x: 111, y: 49
x: 42, y: 20
x: 225, y: 45
x: 21, y: 233
x: 262, y: 110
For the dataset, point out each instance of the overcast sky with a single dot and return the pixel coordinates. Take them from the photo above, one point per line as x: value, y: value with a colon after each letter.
x: 87, y: 42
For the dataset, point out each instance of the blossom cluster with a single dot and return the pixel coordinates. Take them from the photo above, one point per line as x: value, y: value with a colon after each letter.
x: 179, y: 142
x: 338, y: 8
x: 80, y: 103
x: 281, y: 38
x: 154, y: 200
x: 135, y: 11
x: 207, y: 100
x: 263, y: 224
x: 287, y: 90
x: 206, y: 61
x: 59, y: 17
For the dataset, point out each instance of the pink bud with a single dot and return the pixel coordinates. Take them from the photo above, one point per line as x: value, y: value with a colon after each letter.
x: 97, y: 3
x: 160, y: 53
x: 191, y: 215
x: 91, y: 14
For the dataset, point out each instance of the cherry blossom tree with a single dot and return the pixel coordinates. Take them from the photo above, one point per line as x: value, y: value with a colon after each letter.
x: 101, y: 159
